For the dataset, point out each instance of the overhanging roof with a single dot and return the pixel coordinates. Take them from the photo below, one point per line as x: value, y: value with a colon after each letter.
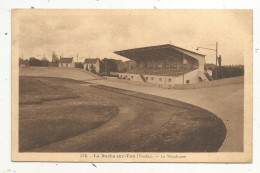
x: 66, y: 60
x: 166, y: 50
x: 90, y: 61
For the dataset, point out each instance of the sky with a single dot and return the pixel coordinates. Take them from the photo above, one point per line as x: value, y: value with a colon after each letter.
x: 98, y: 33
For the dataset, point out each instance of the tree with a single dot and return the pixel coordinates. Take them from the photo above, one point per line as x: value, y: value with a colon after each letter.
x: 45, y: 62
x: 26, y: 62
x: 34, y: 62
x: 108, y: 65
x: 20, y: 61
x: 55, y: 57
x: 229, y: 71
x: 93, y: 69
x: 23, y: 62
x: 79, y: 65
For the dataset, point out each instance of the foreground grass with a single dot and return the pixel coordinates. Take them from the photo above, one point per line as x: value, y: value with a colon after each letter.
x: 55, y: 118
x: 35, y: 90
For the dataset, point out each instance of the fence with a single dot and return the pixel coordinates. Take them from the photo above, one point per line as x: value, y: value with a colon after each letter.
x: 214, y: 83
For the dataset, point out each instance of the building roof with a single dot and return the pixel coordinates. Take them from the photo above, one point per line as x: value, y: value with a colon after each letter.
x: 66, y: 60
x: 166, y: 50
x: 90, y: 61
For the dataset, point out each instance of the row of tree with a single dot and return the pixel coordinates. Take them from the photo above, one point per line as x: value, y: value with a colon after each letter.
x: 106, y: 66
x: 44, y: 62
x: 228, y: 71
x: 34, y: 62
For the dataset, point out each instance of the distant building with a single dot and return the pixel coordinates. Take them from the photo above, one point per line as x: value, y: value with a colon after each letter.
x: 66, y: 62
x: 92, y: 64
x: 125, y: 66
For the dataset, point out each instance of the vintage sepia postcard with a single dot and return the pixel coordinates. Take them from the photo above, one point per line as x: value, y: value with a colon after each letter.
x: 132, y: 85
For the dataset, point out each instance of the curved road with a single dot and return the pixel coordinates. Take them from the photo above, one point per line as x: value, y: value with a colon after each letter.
x: 144, y: 123
x: 218, y: 100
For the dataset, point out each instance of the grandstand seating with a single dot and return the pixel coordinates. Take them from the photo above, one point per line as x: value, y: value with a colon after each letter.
x: 161, y: 72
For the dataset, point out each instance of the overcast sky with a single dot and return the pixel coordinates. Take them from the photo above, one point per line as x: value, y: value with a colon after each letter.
x: 99, y: 33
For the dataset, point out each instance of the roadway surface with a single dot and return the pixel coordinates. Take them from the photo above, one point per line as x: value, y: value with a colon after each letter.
x: 226, y: 101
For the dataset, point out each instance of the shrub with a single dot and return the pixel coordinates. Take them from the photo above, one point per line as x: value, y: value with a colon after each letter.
x: 79, y: 65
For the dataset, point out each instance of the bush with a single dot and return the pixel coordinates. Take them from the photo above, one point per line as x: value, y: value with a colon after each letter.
x: 53, y: 64
x: 34, y: 62
x: 93, y: 69
x: 79, y: 65
x: 228, y: 71
x: 45, y: 63
x: 23, y: 62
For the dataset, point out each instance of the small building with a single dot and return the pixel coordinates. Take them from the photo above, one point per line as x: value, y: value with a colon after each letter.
x: 92, y: 64
x: 66, y: 62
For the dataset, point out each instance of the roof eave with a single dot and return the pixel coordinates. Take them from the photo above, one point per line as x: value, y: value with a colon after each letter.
x: 152, y: 47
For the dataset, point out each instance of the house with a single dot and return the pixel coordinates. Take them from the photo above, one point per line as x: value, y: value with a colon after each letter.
x: 92, y: 64
x: 66, y: 62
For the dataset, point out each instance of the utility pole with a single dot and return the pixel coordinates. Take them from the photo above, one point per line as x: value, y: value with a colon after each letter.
x: 183, y: 68
x: 216, y: 73
x: 220, y: 69
x: 216, y: 50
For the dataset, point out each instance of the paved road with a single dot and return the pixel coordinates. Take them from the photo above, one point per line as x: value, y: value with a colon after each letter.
x: 71, y: 73
x: 227, y: 102
x: 145, y: 123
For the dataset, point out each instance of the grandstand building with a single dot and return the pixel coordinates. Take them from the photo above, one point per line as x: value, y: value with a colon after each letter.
x: 165, y: 64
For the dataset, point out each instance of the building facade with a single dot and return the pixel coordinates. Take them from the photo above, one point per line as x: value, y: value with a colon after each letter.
x: 165, y: 64
x: 66, y: 62
x: 92, y: 64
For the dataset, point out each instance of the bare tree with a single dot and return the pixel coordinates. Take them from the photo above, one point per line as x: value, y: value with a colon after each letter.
x: 55, y: 57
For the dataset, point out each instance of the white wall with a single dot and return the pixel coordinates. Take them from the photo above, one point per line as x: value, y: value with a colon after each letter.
x: 192, y: 76
x: 149, y: 78
x: 64, y: 65
x: 97, y: 66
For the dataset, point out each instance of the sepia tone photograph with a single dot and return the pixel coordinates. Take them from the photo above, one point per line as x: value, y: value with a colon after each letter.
x: 132, y: 85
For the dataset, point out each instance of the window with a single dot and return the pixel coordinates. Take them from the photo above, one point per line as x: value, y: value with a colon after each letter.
x: 132, y: 77
x: 187, y: 81
x: 169, y: 80
x: 160, y: 79
x: 151, y: 78
x: 146, y: 78
x: 66, y: 65
x: 61, y: 65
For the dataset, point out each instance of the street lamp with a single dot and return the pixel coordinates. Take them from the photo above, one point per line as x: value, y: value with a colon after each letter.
x: 216, y: 50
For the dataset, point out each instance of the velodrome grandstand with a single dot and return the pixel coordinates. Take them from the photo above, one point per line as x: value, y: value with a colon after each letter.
x: 165, y: 64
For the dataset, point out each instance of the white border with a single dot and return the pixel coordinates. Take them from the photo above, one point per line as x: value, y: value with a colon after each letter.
x: 5, y: 86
